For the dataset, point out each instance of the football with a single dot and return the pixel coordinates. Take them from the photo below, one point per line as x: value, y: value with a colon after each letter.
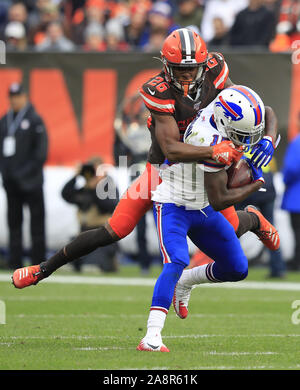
x: 239, y: 174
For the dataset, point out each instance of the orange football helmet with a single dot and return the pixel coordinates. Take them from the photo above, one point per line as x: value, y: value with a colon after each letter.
x: 183, y: 48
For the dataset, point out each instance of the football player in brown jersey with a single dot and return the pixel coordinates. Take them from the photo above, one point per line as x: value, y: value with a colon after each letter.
x: 190, y: 80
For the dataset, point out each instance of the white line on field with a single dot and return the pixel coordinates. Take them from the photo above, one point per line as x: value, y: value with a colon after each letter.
x: 243, y: 368
x: 121, y: 315
x: 203, y: 352
x: 99, y: 348
x: 195, y: 336
x: 240, y: 353
x: 297, y: 366
x: 199, y: 336
x: 118, y: 281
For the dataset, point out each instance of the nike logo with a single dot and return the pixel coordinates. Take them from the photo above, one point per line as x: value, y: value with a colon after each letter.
x: 153, y: 346
x: 151, y: 92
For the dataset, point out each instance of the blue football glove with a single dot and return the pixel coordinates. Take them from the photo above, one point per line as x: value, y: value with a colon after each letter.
x: 256, y: 172
x: 262, y: 152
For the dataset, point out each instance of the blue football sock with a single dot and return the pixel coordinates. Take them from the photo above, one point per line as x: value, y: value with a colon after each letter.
x: 165, y: 285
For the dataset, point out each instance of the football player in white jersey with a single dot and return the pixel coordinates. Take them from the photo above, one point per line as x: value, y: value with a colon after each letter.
x: 187, y: 201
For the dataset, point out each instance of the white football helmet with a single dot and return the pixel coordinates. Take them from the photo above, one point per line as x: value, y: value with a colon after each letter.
x: 239, y: 114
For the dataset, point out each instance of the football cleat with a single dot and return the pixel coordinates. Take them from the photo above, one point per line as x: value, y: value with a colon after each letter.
x: 154, y: 344
x: 27, y: 276
x: 266, y: 232
x: 181, y: 299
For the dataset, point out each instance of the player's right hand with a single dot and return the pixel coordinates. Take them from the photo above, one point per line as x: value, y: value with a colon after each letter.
x: 257, y: 173
x: 226, y: 152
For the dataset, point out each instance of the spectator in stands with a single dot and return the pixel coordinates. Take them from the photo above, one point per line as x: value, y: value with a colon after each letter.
x: 221, y: 33
x: 290, y: 201
x: 16, y: 13
x: 189, y: 13
x: 115, y: 36
x: 92, y: 212
x: 94, y: 38
x: 93, y: 12
x: 156, y: 40
x: 15, y: 36
x: 4, y: 6
x: 55, y: 39
x: 30, y: 4
x: 254, y: 26
x: 135, y: 25
x: 159, y: 19
x: 45, y: 13
x: 288, y: 26
x: 228, y: 9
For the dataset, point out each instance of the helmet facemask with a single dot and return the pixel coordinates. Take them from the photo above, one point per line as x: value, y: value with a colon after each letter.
x: 186, y: 86
x: 242, y: 138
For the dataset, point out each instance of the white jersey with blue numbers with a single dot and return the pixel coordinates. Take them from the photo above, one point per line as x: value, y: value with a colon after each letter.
x: 183, y: 183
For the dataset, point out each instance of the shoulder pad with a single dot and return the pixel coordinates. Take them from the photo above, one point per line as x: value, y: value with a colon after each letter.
x: 218, y: 69
x: 157, y: 96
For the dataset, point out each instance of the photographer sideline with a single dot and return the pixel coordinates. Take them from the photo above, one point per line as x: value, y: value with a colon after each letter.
x: 92, y: 212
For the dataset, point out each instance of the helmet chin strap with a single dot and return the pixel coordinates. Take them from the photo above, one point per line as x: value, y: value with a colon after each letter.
x: 186, y: 86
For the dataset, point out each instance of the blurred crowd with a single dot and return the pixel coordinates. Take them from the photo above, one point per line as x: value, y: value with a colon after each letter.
x: 127, y: 25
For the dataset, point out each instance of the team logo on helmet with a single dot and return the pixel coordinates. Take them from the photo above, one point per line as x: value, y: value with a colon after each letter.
x: 231, y: 110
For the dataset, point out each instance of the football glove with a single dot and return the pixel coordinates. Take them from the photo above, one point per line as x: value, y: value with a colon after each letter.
x: 226, y: 153
x: 256, y: 172
x: 262, y: 152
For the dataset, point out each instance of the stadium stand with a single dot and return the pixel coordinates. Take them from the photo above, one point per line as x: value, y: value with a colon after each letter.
x: 120, y: 25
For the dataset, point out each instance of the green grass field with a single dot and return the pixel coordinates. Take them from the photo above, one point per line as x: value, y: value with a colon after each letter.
x: 63, y: 326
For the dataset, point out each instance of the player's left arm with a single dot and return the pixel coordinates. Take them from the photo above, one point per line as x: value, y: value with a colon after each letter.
x: 220, y: 197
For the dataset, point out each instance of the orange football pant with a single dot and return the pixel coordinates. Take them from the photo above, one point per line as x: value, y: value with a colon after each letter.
x: 231, y: 215
x: 136, y: 201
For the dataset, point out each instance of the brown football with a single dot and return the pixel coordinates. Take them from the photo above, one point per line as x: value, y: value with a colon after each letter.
x: 239, y: 174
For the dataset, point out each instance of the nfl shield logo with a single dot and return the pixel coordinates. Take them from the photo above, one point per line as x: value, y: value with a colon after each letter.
x: 197, y: 106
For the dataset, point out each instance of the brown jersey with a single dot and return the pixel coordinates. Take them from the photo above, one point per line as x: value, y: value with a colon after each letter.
x: 162, y: 98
